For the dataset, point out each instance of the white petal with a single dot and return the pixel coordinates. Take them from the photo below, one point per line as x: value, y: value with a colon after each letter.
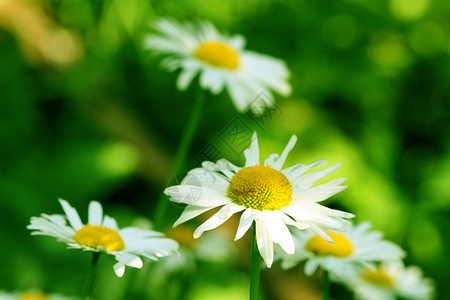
x: 206, y: 178
x: 321, y: 192
x: 287, y: 220
x: 321, y: 233
x: 129, y: 259
x: 279, y: 163
x: 298, y: 169
x: 119, y: 269
x: 190, y: 212
x: 133, y: 233
x: 308, y: 180
x: 158, y: 247
x: 110, y: 222
x: 218, y: 218
x: 198, y: 196
x: 252, y: 154
x: 185, y: 78
x: 309, y: 215
x: 271, y: 159
x: 311, y: 266
x: 244, y: 223
x: 278, y: 231
x: 238, y: 94
x: 211, y: 79
x: 264, y: 242
x: 72, y: 215
x: 95, y: 213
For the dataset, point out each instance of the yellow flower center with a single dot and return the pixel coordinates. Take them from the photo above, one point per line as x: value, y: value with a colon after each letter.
x: 261, y: 188
x: 218, y: 54
x: 342, y: 246
x: 33, y: 296
x: 378, y: 277
x: 99, y: 237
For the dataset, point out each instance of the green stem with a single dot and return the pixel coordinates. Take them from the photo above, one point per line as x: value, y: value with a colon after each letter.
x: 326, y: 286
x: 254, y: 268
x: 90, y: 277
x: 180, y: 156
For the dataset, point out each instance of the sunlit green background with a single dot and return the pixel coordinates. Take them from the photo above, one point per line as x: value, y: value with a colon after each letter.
x: 86, y: 113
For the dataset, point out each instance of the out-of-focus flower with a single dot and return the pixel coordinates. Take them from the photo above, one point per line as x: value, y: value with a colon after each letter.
x: 214, y: 247
x: 101, y: 234
x: 32, y: 295
x: 221, y: 61
x: 391, y: 280
x: 40, y: 38
x: 351, y: 251
x: 266, y: 194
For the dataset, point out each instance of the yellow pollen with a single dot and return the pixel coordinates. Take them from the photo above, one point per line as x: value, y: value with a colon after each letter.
x: 99, y: 237
x: 261, y: 188
x: 378, y: 277
x: 342, y: 246
x: 218, y: 54
x: 33, y: 296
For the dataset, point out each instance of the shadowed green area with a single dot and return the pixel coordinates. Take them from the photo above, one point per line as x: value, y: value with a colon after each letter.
x: 87, y: 113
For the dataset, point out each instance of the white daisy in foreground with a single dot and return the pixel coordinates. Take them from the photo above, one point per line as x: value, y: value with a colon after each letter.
x: 351, y: 251
x: 32, y: 295
x: 101, y: 234
x: 221, y: 62
x: 390, y: 281
x: 266, y: 194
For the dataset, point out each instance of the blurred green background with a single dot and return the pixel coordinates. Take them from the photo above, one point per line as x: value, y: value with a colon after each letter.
x: 86, y: 113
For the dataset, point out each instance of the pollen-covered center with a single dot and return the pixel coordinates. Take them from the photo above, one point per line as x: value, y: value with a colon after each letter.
x: 378, y: 277
x: 218, y: 54
x: 99, y: 237
x: 342, y: 246
x: 33, y: 296
x: 261, y: 188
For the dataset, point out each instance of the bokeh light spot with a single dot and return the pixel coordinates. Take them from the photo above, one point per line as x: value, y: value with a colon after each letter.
x: 408, y: 9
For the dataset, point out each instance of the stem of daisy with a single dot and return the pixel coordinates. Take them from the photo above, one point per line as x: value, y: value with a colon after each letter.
x: 180, y: 156
x: 326, y: 285
x: 254, y: 268
x: 90, y: 277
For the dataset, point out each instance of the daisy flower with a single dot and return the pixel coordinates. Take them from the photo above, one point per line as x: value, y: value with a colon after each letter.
x: 390, y: 281
x: 221, y: 61
x: 267, y: 194
x: 32, y: 295
x: 101, y: 234
x: 352, y: 250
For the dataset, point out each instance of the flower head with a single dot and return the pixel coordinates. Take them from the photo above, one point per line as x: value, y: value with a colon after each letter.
x: 221, y: 62
x: 32, y: 295
x: 101, y: 234
x: 267, y: 194
x: 389, y: 281
x: 352, y: 250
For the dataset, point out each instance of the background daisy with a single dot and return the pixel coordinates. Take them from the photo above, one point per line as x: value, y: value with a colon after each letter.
x: 389, y: 281
x: 267, y: 194
x: 221, y: 62
x: 32, y: 295
x: 352, y: 250
x: 101, y: 234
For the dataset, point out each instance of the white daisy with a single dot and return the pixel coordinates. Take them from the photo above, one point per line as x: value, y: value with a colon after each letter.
x: 221, y: 61
x: 266, y: 194
x: 32, y: 295
x: 391, y: 280
x: 101, y: 234
x: 352, y: 250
